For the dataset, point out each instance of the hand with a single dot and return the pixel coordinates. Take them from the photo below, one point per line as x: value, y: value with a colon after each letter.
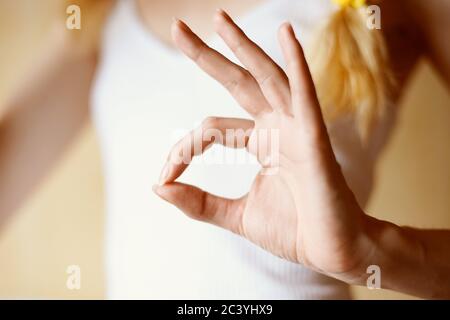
x: 304, y: 211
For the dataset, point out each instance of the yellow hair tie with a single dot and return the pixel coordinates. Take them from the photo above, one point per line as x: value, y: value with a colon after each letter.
x: 350, y: 3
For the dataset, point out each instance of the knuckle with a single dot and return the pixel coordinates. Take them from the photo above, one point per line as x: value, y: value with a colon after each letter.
x: 238, y: 80
x: 238, y: 46
x: 176, y: 154
x: 271, y: 79
x: 210, y: 122
x: 199, y: 54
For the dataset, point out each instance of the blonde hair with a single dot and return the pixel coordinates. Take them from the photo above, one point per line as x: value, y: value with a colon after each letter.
x: 350, y: 67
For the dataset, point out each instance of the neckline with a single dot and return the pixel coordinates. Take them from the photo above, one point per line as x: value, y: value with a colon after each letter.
x: 169, y: 50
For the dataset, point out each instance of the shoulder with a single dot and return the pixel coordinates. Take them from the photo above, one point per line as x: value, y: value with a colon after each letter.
x: 432, y: 17
x: 83, y: 40
x: 403, y: 35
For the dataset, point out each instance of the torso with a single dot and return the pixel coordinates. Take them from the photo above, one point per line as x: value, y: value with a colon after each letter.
x: 144, y: 93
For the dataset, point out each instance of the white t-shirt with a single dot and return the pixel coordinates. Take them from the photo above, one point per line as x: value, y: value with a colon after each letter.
x: 147, y: 95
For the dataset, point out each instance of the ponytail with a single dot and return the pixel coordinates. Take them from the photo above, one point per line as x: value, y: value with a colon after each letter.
x: 350, y: 67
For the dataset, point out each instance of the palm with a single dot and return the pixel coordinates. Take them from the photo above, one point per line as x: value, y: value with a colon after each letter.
x: 271, y: 217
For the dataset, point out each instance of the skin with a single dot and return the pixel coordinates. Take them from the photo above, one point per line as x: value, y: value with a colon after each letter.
x: 305, y: 213
x: 289, y: 223
x: 317, y: 221
x: 39, y: 126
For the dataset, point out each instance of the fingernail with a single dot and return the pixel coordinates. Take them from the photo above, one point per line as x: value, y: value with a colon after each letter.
x: 290, y: 28
x: 164, y: 174
x: 223, y: 13
x: 178, y: 22
x: 287, y: 25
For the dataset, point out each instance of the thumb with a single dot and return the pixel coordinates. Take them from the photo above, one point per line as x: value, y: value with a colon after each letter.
x: 203, y: 206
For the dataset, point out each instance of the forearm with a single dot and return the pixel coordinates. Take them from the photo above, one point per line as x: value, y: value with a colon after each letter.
x: 411, y: 261
x: 41, y: 116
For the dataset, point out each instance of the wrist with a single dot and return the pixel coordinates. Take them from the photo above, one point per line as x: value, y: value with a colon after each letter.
x: 392, y: 250
x: 366, y: 250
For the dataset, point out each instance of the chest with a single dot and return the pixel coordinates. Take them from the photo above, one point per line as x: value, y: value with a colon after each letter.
x: 157, y: 15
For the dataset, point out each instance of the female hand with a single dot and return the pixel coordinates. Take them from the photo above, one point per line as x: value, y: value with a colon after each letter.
x: 300, y: 207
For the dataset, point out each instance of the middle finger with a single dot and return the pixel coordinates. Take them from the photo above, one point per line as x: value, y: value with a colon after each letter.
x: 271, y: 78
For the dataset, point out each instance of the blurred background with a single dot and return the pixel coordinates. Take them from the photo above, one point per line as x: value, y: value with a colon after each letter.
x: 61, y: 224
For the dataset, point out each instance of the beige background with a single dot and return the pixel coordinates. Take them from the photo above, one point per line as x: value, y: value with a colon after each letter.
x: 62, y: 223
